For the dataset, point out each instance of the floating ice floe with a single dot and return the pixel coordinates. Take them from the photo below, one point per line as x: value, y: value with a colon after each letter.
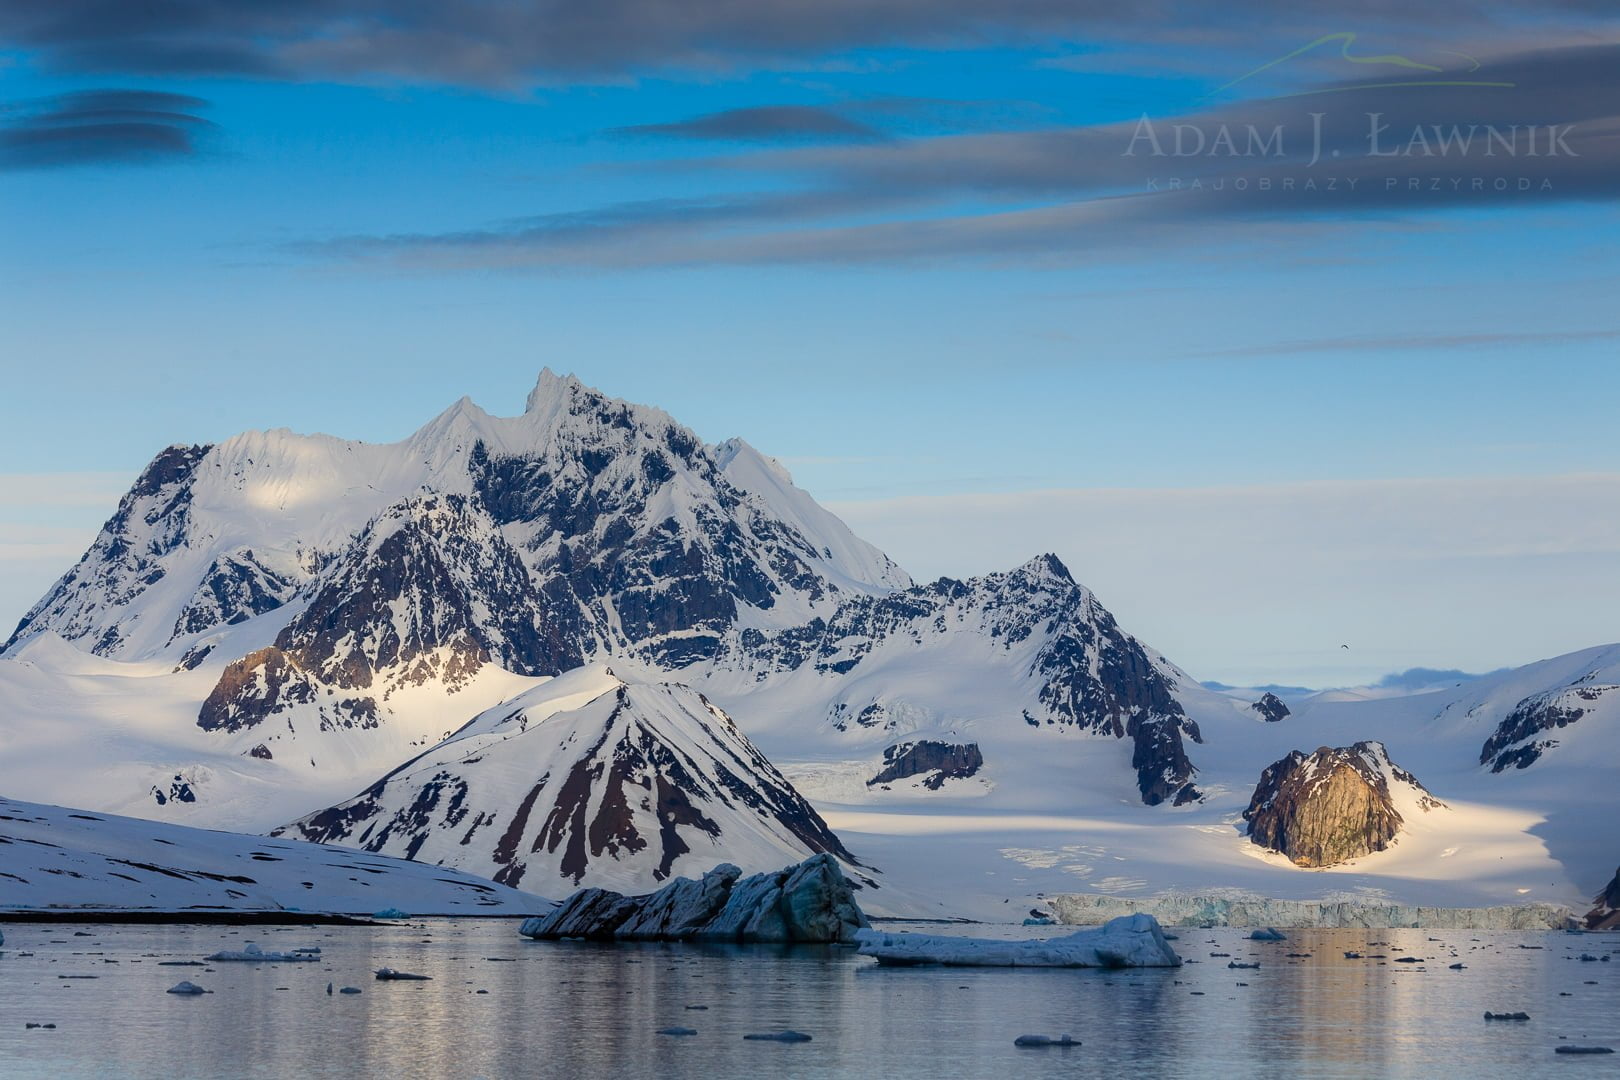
x: 677, y: 1031
x: 390, y: 975
x: 390, y: 913
x: 252, y: 954
x: 779, y: 1036
x: 1128, y: 941
x: 1270, y: 933
x: 187, y: 988
x: 1046, y: 1040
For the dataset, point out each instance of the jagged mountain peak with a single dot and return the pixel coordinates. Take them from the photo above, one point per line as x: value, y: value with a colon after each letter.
x: 615, y: 508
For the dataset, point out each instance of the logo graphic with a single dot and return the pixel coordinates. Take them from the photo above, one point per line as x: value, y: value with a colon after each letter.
x: 1437, y: 76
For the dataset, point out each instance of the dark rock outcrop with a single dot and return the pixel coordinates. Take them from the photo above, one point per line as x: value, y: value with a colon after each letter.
x: 1270, y: 707
x: 941, y: 760
x: 1514, y: 744
x: 1606, y: 916
x: 808, y: 903
x: 1331, y: 806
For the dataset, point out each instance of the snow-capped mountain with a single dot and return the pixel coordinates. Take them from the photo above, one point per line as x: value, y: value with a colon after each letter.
x: 585, y: 777
x: 995, y: 656
x: 637, y: 533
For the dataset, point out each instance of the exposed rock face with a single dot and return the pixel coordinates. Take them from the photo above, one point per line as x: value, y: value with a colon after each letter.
x: 1270, y: 707
x: 1125, y: 942
x: 431, y: 589
x: 942, y: 761
x: 1606, y: 916
x: 588, y: 774
x: 808, y: 903
x: 1515, y: 745
x: 1331, y: 806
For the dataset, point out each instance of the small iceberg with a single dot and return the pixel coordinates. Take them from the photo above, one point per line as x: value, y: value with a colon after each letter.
x: 1270, y: 933
x: 676, y: 1031
x: 1241, y: 965
x: 252, y: 954
x: 187, y: 988
x: 1507, y: 1016
x: 390, y: 913
x: 1128, y: 941
x: 1584, y: 1050
x: 779, y: 1036
x: 390, y: 975
x: 1046, y: 1040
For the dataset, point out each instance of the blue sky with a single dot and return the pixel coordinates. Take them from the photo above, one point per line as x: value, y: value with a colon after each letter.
x: 906, y: 257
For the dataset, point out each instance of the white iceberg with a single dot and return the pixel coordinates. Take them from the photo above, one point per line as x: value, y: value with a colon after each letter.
x: 1129, y: 941
x: 252, y: 954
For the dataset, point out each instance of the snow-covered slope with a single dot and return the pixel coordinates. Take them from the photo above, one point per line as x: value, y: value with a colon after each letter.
x: 1052, y: 823
x: 68, y: 859
x: 587, y: 777
x: 1026, y: 657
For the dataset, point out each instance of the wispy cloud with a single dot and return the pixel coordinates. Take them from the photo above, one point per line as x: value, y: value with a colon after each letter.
x: 1544, y: 129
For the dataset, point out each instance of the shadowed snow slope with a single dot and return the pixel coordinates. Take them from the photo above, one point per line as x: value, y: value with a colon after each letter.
x: 68, y: 859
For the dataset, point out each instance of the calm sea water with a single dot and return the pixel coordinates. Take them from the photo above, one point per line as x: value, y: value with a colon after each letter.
x: 578, y: 1010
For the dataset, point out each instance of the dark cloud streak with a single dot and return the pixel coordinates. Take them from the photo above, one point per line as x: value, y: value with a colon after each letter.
x: 101, y: 127
x: 513, y: 43
x: 761, y: 123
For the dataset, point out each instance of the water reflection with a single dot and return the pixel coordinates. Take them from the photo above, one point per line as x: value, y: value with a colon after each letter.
x: 499, y: 1006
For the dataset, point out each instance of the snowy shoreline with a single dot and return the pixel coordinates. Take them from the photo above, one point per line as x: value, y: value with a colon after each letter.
x: 1191, y: 909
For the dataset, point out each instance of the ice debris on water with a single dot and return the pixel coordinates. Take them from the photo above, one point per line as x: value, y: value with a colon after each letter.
x: 1046, y: 1040
x: 1268, y: 934
x: 1507, y: 1016
x: 779, y: 1036
x: 677, y: 1031
x: 390, y: 913
x: 390, y: 975
x: 252, y: 954
x: 186, y: 987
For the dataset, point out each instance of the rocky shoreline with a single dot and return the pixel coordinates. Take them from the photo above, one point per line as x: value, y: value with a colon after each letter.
x: 1188, y: 909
